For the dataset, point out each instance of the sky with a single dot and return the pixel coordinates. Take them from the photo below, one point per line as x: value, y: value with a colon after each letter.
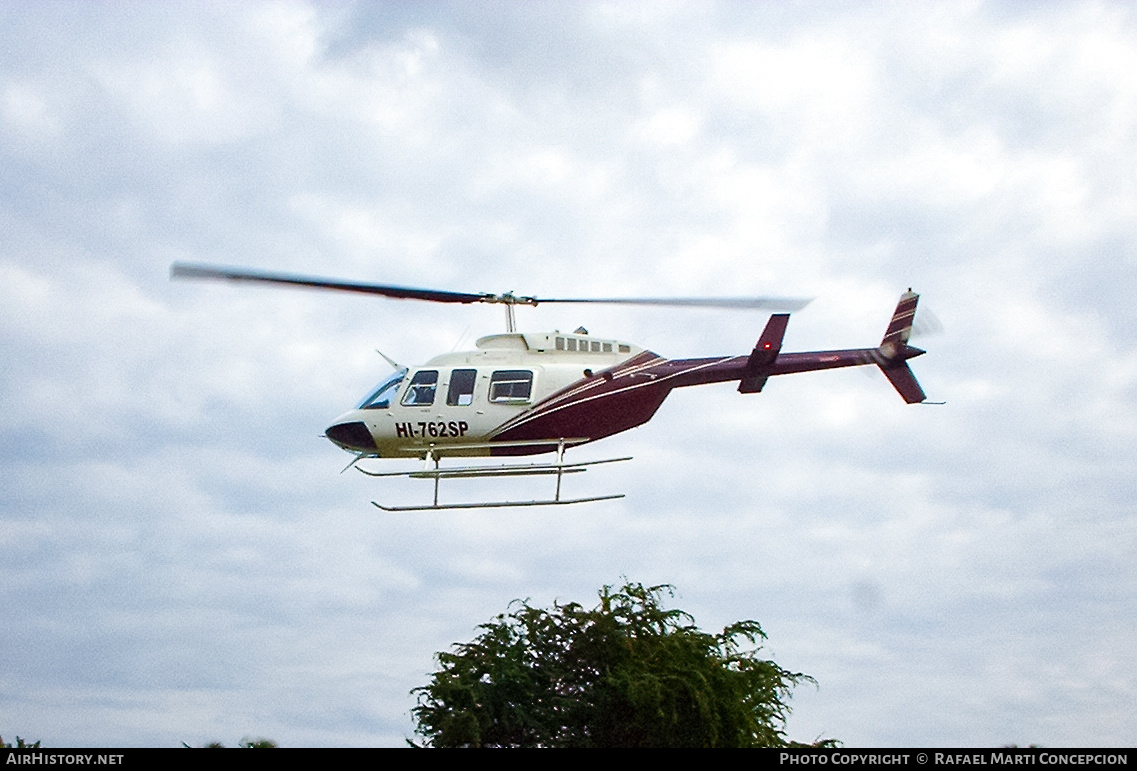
x: 184, y: 560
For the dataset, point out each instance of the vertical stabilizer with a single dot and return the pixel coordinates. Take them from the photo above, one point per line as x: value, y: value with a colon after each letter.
x: 894, y: 350
x: 904, y: 382
x: 900, y: 328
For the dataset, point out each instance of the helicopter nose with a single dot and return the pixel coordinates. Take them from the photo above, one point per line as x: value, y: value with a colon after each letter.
x: 352, y: 436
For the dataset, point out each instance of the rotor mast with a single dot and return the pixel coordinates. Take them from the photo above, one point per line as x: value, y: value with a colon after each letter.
x: 509, y: 300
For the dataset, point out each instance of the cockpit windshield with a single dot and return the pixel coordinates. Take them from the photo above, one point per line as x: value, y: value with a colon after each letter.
x: 382, y: 396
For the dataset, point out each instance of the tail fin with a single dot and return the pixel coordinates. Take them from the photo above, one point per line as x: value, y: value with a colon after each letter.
x: 894, y: 350
x: 905, y: 383
x: 900, y: 328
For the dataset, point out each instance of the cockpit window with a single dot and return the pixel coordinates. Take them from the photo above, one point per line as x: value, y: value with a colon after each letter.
x: 420, y: 393
x: 381, y: 397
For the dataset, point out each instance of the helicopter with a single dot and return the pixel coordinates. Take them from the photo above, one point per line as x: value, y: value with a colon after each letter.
x: 522, y: 394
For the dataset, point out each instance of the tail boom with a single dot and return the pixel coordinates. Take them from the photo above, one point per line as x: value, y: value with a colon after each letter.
x: 891, y: 356
x: 634, y: 390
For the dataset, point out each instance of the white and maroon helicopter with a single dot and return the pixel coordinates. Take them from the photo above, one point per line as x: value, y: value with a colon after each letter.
x: 526, y: 394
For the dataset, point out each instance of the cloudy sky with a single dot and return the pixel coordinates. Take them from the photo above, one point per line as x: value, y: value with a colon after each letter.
x: 184, y: 560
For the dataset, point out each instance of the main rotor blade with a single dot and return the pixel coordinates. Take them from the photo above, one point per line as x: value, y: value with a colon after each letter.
x: 184, y: 270
x: 750, y: 303
x: 187, y: 270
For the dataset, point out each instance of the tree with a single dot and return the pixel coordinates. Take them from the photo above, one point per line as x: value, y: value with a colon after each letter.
x: 20, y: 744
x: 627, y: 673
x: 246, y: 743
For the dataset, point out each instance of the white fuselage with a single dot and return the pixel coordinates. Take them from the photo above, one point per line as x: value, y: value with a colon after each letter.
x: 457, y: 402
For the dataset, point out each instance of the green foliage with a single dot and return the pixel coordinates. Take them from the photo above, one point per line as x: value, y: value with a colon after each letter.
x: 19, y: 745
x: 627, y: 673
x: 246, y: 743
x: 257, y: 744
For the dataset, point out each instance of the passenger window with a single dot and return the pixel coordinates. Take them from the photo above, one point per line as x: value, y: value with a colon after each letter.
x: 420, y: 393
x: 461, y: 391
x: 511, y: 385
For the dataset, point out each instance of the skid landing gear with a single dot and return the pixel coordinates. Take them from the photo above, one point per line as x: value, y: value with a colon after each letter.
x: 433, y: 470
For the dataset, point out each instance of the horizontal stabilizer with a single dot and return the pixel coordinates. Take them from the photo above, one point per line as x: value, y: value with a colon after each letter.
x: 764, y: 354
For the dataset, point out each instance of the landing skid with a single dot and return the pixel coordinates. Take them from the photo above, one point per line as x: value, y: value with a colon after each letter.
x: 498, y: 504
x: 558, y: 468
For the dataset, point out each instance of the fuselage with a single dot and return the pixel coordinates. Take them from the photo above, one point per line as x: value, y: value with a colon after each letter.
x: 523, y: 394
x: 492, y: 401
